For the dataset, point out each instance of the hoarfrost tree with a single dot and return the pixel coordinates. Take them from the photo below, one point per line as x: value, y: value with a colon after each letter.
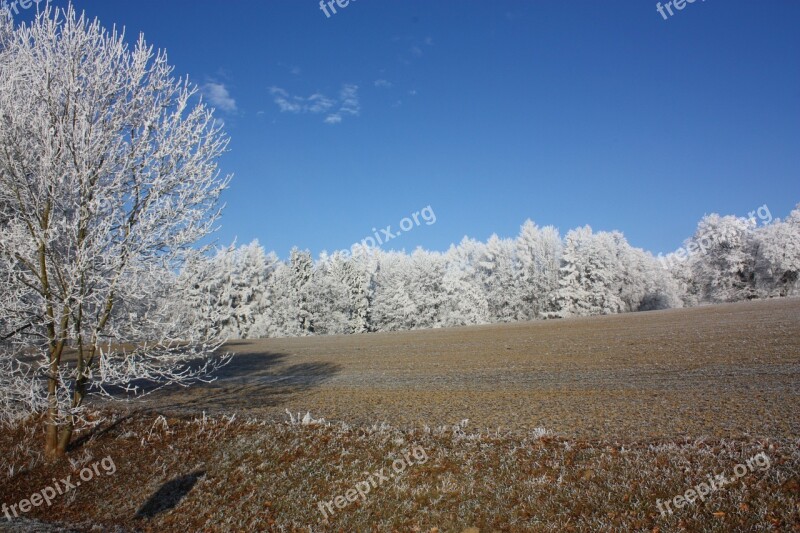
x: 302, y: 274
x: 572, y: 295
x: 465, y: 301
x: 645, y: 284
x: 394, y: 307
x: 359, y: 278
x: 220, y: 282
x: 539, y: 252
x: 245, y: 281
x: 282, y: 311
x: 591, y: 274
x: 723, y: 265
x: 425, y: 288
x: 195, y: 297
x: 330, y: 295
x: 263, y: 325
x: 343, y: 286
x: 108, y: 175
x: 501, y: 274
x: 777, y: 259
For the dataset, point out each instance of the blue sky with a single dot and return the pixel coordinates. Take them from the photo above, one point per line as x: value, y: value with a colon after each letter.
x: 568, y: 113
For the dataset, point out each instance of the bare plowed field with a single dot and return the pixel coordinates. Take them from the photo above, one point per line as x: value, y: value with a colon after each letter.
x: 727, y: 370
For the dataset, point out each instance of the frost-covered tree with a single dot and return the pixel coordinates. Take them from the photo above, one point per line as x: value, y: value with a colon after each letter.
x: 108, y: 175
x: 539, y: 253
x: 302, y: 266
x: 241, y: 289
x: 263, y: 324
x: 330, y: 295
x: 645, y: 284
x: 282, y: 309
x: 393, y: 305
x: 721, y: 259
x: 777, y: 257
x: 590, y: 276
x: 250, y: 287
x: 195, y: 296
x: 465, y: 301
x: 425, y: 287
x: 501, y: 274
x: 358, y: 276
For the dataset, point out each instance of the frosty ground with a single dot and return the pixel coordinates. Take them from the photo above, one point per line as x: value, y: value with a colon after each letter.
x: 726, y: 370
x: 577, y: 424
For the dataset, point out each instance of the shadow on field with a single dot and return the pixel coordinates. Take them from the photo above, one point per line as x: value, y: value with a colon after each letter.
x: 249, y: 381
x: 169, y: 495
x: 96, y: 432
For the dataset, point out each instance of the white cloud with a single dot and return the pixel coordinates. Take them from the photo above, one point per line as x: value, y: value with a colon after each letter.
x: 219, y: 96
x: 319, y: 103
x: 348, y: 99
x: 348, y: 103
x: 383, y: 83
x: 284, y: 101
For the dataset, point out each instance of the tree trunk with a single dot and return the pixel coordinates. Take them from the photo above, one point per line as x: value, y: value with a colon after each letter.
x: 65, y: 436
x: 51, y: 450
x: 51, y: 439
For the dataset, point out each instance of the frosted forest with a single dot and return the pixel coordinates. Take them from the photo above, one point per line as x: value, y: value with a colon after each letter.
x: 245, y: 292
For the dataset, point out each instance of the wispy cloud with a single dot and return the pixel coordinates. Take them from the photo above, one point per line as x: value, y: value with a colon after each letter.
x: 349, y: 100
x: 218, y: 96
x: 384, y: 84
x: 286, y: 103
x: 412, y: 47
x: 347, y: 103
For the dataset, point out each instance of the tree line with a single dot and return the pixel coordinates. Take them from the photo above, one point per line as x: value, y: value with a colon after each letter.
x: 244, y: 292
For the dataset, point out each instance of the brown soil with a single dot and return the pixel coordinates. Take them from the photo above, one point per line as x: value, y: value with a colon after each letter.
x: 715, y: 371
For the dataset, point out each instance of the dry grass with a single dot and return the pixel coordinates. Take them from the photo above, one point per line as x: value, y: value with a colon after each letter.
x: 253, y: 476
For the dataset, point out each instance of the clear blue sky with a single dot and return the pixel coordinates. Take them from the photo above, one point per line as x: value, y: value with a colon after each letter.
x: 568, y: 113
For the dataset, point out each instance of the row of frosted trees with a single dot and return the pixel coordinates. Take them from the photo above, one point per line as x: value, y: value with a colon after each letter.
x: 246, y: 293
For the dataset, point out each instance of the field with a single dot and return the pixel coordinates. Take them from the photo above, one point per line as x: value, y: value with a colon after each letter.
x: 569, y: 425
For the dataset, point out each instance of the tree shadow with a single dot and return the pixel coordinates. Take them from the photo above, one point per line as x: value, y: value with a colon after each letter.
x: 97, y: 431
x: 143, y: 386
x: 248, y: 365
x: 169, y: 495
x: 249, y: 381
